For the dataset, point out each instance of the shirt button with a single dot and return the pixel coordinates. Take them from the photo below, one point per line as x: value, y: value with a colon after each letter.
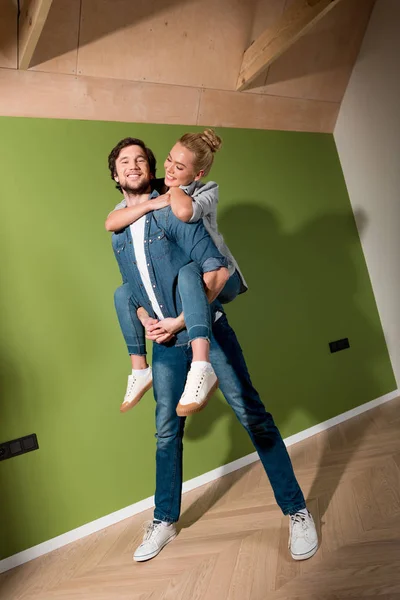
x: 147, y: 220
x: 144, y: 241
x: 154, y: 286
x: 150, y: 241
x: 148, y: 264
x: 161, y: 305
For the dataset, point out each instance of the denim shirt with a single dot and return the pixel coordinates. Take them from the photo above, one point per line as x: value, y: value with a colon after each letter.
x: 204, y: 201
x: 169, y: 245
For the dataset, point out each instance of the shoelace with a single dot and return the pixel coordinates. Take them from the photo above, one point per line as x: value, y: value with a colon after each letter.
x: 194, y: 383
x: 132, y: 382
x: 149, y: 528
x: 297, y: 518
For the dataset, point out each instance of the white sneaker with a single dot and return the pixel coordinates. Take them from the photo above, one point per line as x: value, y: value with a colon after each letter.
x: 303, y: 538
x: 157, y: 535
x: 200, y: 385
x: 136, y: 388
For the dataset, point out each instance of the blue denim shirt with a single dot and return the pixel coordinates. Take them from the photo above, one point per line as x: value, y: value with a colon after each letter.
x: 169, y: 244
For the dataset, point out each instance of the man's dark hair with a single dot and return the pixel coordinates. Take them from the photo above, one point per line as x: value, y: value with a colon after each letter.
x: 112, y: 157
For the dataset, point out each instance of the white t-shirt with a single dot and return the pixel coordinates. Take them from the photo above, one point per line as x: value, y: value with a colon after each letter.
x: 137, y: 232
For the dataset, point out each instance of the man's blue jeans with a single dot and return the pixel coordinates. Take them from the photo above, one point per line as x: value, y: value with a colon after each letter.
x: 196, y: 308
x: 170, y: 368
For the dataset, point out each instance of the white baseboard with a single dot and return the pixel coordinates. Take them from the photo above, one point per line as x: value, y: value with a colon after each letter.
x: 115, y: 517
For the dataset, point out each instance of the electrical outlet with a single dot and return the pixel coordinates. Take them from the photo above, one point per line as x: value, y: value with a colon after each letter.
x: 339, y: 345
x: 18, y: 446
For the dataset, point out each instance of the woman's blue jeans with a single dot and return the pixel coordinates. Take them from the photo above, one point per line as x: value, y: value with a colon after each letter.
x: 196, y: 309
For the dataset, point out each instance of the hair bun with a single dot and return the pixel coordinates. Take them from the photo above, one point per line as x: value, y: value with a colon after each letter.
x: 212, y: 139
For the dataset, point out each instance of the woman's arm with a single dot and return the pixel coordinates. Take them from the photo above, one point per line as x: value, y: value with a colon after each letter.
x: 118, y: 219
x: 193, y: 209
x: 181, y: 204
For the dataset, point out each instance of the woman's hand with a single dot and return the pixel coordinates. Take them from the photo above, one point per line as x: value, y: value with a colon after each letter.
x: 160, y: 202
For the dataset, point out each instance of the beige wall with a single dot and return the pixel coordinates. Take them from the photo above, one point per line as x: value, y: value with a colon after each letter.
x: 368, y: 140
x: 177, y: 61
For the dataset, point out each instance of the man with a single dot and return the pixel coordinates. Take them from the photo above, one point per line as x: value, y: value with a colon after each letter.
x: 169, y: 244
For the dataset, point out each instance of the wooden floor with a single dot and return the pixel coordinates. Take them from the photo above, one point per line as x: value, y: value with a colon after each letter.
x: 233, y: 541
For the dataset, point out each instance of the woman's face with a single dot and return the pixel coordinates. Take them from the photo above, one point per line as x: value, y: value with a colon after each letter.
x: 179, y: 167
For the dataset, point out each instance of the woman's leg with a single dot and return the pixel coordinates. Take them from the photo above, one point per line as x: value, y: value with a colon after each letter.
x: 231, y: 289
x: 196, y: 310
x: 196, y: 307
x: 201, y: 380
x: 140, y: 380
x: 131, y: 327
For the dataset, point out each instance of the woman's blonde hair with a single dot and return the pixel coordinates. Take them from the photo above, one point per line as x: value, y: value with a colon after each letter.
x: 204, y: 146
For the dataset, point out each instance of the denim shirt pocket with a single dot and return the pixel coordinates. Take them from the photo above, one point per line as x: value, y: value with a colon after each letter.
x: 158, y: 244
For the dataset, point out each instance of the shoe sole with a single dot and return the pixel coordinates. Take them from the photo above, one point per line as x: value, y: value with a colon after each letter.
x: 191, y: 409
x: 153, y: 554
x: 125, y: 406
x: 306, y: 555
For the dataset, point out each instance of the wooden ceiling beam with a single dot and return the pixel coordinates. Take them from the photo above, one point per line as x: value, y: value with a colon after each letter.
x: 297, y: 20
x: 31, y: 22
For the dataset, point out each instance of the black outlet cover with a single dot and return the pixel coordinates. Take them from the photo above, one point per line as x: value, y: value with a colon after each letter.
x: 18, y: 446
x: 339, y: 345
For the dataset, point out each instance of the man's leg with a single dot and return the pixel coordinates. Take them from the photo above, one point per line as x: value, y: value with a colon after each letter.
x: 230, y: 366
x: 170, y: 367
x: 140, y: 380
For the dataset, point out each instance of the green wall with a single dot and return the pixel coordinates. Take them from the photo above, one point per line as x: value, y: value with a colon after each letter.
x: 285, y: 213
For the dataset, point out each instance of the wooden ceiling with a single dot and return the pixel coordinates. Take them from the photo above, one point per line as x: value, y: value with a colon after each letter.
x: 282, y: 50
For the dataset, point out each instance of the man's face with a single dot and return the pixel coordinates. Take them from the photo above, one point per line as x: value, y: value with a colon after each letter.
x: 132, y: 170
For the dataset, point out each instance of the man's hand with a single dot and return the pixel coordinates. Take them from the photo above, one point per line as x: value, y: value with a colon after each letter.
x: 157, y: 333
x: 144, y: 318
x: 214, y: 282
x: 161, y: 201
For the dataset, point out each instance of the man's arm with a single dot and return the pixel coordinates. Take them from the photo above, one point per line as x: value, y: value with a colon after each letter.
x: 122, y: 217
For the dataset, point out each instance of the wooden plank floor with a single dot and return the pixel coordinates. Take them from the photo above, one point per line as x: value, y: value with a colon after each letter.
x: 233, y: 539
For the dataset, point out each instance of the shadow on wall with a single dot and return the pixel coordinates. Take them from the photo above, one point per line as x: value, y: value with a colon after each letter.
x: 285, y: 314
